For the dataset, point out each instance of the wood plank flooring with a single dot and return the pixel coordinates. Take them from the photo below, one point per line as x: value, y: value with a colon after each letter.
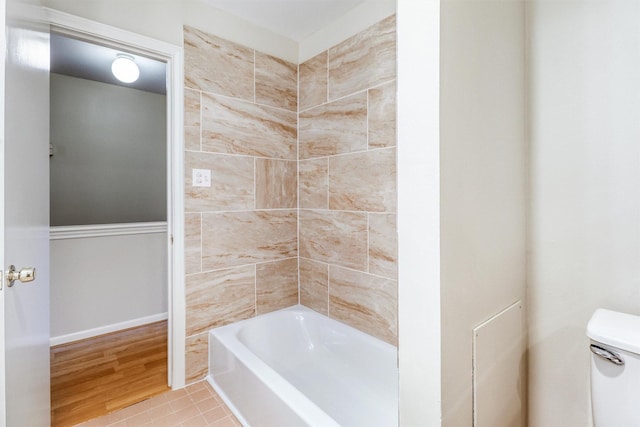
x: 96, y: 376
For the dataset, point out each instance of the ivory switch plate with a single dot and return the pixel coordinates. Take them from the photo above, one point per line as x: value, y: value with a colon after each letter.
x: 201, y: 178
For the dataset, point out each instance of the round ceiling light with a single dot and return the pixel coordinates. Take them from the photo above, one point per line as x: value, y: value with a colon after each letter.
x: 125, y: 68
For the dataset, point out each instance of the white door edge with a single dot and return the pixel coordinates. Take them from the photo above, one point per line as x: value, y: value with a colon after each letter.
x: 173, y: 55
x: 3, y: 48
x: 3, y: 52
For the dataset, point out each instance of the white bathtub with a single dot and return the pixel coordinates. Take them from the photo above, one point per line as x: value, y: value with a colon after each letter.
x: 295, y: 367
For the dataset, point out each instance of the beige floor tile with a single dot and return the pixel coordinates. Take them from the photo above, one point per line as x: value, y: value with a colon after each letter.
x: 180, y: 403
x: 226, y: 422
x: 215, y: 415
x: 188, y: 412
x: 197, y: 421
x: 196, y: 405
x: 200, y: 395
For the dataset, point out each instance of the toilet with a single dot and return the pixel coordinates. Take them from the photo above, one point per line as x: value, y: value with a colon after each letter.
x: 615, y: 368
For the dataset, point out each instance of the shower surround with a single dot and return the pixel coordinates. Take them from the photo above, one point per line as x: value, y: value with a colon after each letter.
x: 302, y: 203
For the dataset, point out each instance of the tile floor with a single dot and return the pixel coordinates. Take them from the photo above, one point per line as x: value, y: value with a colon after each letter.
x: 197, y: 405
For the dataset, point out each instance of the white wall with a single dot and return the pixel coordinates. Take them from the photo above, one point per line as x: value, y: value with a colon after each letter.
x: 163, y: 20
x: 418, y: 212
x: 158, y: 19
x: 99, y: 283
x: 483, y: 184
x: 584, y: 227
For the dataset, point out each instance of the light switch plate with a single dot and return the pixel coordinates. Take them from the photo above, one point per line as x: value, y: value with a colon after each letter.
x: 201, y: 178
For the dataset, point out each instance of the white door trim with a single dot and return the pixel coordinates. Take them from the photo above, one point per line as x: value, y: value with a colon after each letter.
x: 173, y: 55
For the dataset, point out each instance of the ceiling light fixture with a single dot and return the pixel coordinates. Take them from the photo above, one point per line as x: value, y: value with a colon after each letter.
x: 125, y: 68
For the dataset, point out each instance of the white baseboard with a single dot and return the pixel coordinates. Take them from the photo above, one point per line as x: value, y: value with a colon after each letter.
x: 81, y: 335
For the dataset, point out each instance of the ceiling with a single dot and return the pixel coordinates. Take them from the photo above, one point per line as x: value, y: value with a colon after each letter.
x: 294, y: 19
x: 90, y: 61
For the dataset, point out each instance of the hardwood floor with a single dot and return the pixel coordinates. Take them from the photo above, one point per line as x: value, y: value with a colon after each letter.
x: 93, y: 377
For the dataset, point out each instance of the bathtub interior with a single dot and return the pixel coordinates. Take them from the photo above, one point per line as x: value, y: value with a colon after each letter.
x: 303, y: 334
x: 313, y: 364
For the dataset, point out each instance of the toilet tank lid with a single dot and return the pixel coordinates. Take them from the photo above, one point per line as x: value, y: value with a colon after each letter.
x: 620, y: 330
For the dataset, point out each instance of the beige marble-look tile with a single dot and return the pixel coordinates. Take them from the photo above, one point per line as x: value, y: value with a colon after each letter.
x: 314, y: 183
x: 232, y: 185
x: 366, y: 302
x: 239, y: 127
x: 334, y: 237
x: 364, y: 60
x: 313, y: 81
x: 197, y: 357
x: 383, y: 251
x: 335, y: 128
x: 191, y: 120
x: 363, y: 181
x: 193, y: 256
x: 314, y: 285
x: 193, y: 243
x: 217, y: 66
x: 266, y: 236
x: 276, y: 285
x: 191, y: 107
x: 216, y: 298
x: 276, y: 82
x: 192, y: 226
x: 276, y: 184
x: 192, y: 138
x: 382, y: 116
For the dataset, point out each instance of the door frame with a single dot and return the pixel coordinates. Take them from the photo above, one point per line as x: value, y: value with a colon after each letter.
x: 173, y: 55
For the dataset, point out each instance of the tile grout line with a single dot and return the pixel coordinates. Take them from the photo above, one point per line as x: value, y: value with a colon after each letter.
x: 368, y: 266
x: 328, y: 291
x: 343, y: 97
x: 298, y: 179
x: 200, y: 130
x: 327, y: 78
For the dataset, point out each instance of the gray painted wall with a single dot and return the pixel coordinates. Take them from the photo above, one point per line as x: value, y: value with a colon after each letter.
x: 109, y: 162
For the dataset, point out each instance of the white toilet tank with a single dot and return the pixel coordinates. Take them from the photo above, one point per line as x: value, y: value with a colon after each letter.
x: 615, y: 368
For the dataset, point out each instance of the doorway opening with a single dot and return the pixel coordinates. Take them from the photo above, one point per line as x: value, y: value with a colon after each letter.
x: 108, y: 218
x: 141, y: 230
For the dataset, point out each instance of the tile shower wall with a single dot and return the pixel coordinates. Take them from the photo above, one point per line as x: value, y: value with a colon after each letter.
x: 347, y: 181
x: 242, y: 232
x: 302, y: 203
